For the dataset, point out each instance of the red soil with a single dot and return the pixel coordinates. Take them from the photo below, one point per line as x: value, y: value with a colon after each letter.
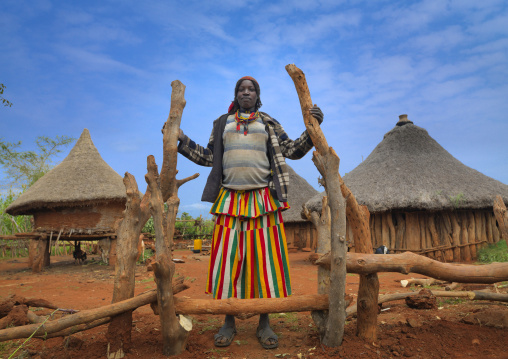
x: 434, y: 333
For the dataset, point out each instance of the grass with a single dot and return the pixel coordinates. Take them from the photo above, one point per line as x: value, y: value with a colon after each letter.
x: 432, y: 287
x: 148, y: 254
x: 216, y: 350
x: 288, y: 317
x: 451, y: 301
x: 497, y: 252
x: 5, y: 346
x: 213, y: 324
x: 458, y: 199
x: 144, y: 280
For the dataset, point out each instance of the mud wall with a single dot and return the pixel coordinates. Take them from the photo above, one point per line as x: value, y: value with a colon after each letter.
x: 301, y: 235
x: 90, y: 219
x: 450, y: 236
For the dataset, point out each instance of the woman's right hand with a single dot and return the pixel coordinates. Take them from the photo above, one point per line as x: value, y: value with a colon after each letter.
x: 180, y: 133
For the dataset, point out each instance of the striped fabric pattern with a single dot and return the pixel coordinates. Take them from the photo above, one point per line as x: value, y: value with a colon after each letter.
x: 249, y: 257
x: 280, y: 147
x: 245, y: 163
x: 251, y: 204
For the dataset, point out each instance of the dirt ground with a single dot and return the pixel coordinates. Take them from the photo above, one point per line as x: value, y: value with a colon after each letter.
x: 403, y: 332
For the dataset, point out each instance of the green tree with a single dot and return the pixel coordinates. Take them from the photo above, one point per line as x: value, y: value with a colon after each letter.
x: 24, y: 168
x: 12, y: 224
x: 4, y: 101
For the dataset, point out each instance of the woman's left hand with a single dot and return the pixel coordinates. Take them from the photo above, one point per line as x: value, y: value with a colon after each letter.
x: 316, y: 112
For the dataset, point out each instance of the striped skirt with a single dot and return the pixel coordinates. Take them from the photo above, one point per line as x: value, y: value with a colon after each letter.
x: 249, y: 257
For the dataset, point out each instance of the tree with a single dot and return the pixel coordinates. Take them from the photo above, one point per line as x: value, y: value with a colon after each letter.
x: 12, y: 224
x: 4, y: 101
x: 24, y: 168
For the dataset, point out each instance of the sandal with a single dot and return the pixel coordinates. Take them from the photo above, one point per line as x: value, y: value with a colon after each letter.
x: 265, y: 337
x: 224, y: 333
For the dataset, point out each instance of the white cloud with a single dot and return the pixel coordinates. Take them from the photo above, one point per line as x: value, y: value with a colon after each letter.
x: 444, y: 41
x: 97, y: 62
x: 196, y: 206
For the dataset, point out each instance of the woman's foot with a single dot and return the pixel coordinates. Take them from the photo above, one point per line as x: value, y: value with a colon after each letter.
x: 226, y: 334
x: 266, y: 336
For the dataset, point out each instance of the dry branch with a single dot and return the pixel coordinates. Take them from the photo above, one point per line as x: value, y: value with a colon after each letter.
x: 413, y: 263
x: 174, y: 336
x: 86, y: 316
x: 119, y: 330
x: 473, y: 295
x: 233, y: 306
x: 7, y: 305
x: 331, y: 324
x: 501, y: 216
x: 420, y: 281
x: 368, y: 289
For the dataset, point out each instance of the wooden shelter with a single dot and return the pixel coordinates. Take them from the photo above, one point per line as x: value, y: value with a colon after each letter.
x: 82, y: 198
x: 300, y: 233
x: 422, y: 199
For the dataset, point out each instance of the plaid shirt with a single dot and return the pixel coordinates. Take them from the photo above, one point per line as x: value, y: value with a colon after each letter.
x: 280, y: 146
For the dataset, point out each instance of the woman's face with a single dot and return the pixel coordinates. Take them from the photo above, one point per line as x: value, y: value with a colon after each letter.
x: 247, y: 95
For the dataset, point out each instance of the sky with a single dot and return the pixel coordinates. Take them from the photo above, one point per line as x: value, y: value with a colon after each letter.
x: 108, y: 66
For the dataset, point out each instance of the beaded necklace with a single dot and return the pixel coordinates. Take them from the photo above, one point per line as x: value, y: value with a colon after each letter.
x: 245, y: 121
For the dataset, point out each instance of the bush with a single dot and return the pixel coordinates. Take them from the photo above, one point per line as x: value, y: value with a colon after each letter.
x: 12, y: 224
x: 497, y: 252
x: 186, y: 226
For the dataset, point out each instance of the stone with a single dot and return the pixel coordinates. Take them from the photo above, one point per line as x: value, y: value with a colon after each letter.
x: 423, y: 300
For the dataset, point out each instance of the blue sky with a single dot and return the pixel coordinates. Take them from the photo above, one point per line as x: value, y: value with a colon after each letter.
x: 108, y: 66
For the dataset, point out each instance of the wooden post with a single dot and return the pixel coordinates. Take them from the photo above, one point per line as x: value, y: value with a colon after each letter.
x: 323, y: 227
x: 496, y: 234
x: 412, y: 231
x: 385, y: 230
x: 327, y: 162
x: 119, y: 330
x: 39, y: 255
x: 389, y: 220
x: 112, y: 252
x: 174, y: 336
x: 456, y: 238
x: 490, y: 237
x: 400, y: 231
x: 32, y: 248
x: 136, y: 214
x: 446, y: 235
x: 501, y: 216
x: 478, y: 225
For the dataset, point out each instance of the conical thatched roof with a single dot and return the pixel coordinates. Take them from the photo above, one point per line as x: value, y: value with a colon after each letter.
x: 300, y: 191
x: 82, y: 178
x: 409, y: 170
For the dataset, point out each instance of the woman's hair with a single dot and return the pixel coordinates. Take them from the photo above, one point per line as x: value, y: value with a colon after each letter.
x: 235, y: 105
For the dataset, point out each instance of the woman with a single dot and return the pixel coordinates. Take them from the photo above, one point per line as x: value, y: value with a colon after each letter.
x: 248, y: 188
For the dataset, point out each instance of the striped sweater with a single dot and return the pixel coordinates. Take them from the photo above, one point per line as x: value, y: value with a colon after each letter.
x: 280, y: 146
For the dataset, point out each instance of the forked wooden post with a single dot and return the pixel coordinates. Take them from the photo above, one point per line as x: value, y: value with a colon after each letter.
x: 368, y: 290
x: 501, y: 216
x: 331, y: 324
x: 174, y: 336
x: 135, y: 216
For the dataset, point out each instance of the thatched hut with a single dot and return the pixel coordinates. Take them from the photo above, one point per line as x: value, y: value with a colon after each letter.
x: 300, y: 233
x: 82, y: 198
x: 423, y: 199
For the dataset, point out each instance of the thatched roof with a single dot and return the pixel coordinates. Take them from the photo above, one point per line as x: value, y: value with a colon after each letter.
x: 409, y: 170
x: 299, y: 192
x: 82, y: 178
